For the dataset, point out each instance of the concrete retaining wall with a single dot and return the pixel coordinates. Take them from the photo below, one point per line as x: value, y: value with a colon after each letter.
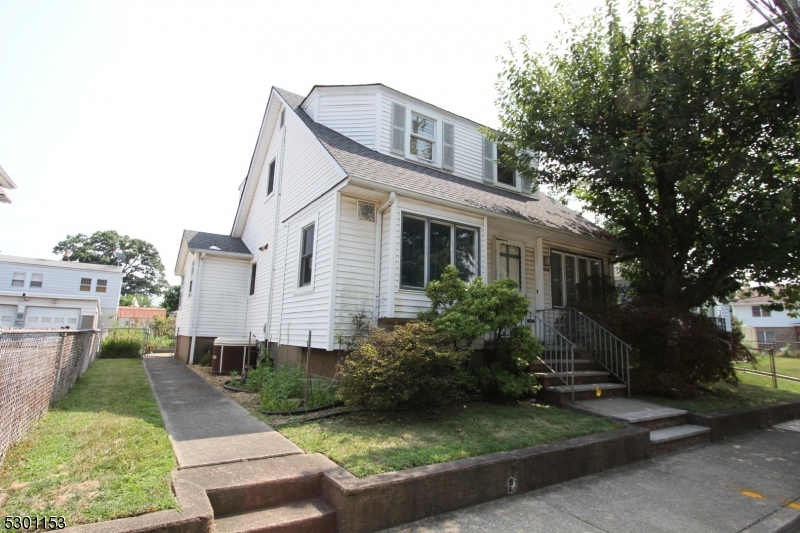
x: 725, y: 424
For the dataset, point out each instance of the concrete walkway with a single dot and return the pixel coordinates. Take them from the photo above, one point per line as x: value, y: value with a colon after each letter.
x: 746, y: 484
x: 205, y: 426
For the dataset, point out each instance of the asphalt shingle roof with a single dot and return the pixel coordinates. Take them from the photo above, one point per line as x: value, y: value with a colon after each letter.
x: 359, y: 161
x: 199, y: 240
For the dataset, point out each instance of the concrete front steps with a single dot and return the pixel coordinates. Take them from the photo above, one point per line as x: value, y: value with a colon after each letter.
x: 276, y: 495
x: 669, y: 431
x: 589, y: 378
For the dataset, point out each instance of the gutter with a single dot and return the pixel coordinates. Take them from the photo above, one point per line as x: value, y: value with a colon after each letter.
x: 195, y: 306
x: 378, y: 242
x: 278, y: 193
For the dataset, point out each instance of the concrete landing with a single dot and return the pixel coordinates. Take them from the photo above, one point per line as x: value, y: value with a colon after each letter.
x: 614, y: 407
x: 205, y: 426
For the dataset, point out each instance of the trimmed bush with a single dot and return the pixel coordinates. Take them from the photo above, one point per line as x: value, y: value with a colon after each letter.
x: 413, y: 366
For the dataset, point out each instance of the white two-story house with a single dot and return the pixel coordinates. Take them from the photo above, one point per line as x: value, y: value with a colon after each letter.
x: 50, y: 294
x: 356, y: 197
x: 771, y: 328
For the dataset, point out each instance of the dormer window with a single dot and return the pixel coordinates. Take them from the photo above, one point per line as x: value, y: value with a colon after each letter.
x: 423, y: 133
x: 505, y: 175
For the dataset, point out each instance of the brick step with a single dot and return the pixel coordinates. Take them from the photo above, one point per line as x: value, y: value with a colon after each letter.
x: 677, y: 438
x: 654, y: 419
x: 581, y: 377
x: 310, y: 516
x: 579, y: 365
x: 558, y: 395
x: 265, y: 483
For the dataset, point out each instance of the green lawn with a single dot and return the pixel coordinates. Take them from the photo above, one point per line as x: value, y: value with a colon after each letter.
x: 722, y: 396
x: 788, y: 366
x: 371, y: 443
x: 100, y: 453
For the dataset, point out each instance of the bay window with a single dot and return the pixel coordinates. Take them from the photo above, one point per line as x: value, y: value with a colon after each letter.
x: 429, y: 245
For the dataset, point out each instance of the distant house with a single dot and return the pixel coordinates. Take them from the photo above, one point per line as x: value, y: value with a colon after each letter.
x: 139, y: 317
x: 357, y: 197
x: 5, y: 183
x: 770, y: 326
x: 45, y: 293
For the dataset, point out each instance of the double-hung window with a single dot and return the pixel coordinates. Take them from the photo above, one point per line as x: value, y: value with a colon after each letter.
x: 765, y: 336
x: 307, y: 256
x: 759, y: 311
x: 428, y: 246
x: 101, y: 286
x: 18, y: 280
x: 37, y: 280
x: 505, y: 174
x: 86, y: 284
x: 423, y: 135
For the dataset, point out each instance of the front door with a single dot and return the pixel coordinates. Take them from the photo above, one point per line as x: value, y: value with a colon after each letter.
x: 568, y: 274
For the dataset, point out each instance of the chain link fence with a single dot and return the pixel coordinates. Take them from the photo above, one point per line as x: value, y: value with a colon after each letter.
x: 37, y: 367
x: 761, y: 371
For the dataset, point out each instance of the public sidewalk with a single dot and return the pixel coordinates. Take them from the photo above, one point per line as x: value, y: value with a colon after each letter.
x: 748, y: 484
x: 205, y: 426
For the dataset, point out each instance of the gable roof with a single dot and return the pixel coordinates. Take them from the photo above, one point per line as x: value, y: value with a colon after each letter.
x: 210, y: 243
x: 360, y: 162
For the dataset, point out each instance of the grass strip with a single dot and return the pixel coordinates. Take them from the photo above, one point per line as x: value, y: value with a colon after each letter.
x: 100, y: 453
x: 722, y: 396
x: 369, y: 443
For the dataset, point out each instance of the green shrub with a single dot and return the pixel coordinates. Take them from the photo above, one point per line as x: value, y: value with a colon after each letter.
x: 120, y: 346
x: 283, y: 389
x: 412, y: 366
x: 465, y: 312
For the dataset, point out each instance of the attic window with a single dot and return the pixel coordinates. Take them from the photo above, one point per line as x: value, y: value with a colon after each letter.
x: 366, y: 211
x: 283, y: 116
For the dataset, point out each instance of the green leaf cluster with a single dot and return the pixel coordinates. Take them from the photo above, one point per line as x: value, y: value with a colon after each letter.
x: 678, y: 131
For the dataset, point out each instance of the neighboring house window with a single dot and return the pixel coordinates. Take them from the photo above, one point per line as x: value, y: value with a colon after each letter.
x: 569, y: 274
x: 102, y: 285
x: 271, y: 180
x: 759, y: 311
x: 253, y: 279
x: 18, y: 280
x: 423, y: 132
x: 428, y: 246
x: 307, y: 256
x: 366, y: 211
x: 36, y: 281
x: 505, y: 175
x: 86, y: 284
x: 765, y: 336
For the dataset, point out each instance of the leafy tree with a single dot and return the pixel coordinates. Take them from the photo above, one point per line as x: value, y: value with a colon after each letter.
x: 171, y: 298
x: 142, y: 269
x: 679, y: 132
x: 132, y: 300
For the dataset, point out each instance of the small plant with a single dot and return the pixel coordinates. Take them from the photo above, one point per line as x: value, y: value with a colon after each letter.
x: 283, y: 389
x: 205, y: 359
x: 236, y: 378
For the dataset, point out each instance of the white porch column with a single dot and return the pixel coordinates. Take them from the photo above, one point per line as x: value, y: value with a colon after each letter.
x: 539, y: 273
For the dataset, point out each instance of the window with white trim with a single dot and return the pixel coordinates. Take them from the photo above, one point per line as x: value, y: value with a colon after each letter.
x: 86, y: 284
x: 422, y: 140
x: 271, y: 178
x: 765, y: 336
x: 505, y: 174
x: 567, y: 272
x: 37, y: 280
x: 101, y: 286
x: 759, y: 311
x: 18, y: 280
x: 307, y: 256
x: 429, y: 245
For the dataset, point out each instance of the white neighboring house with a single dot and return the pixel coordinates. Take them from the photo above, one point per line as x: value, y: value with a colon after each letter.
x: 770, y: 326
x: 5, y: 183
x: 46, y: 293
x: 355, y: 198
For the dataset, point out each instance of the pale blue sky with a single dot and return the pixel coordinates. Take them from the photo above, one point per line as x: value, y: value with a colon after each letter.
x: 141, y: 116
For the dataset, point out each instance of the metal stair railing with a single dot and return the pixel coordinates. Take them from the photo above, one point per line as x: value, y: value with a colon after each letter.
x: 559, y: 351
x: 592, y: 338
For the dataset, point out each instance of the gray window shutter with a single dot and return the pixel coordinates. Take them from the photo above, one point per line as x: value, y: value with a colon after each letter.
x: 448, y: 146
x: 488, y: 160
x: 398, y: 129
x: 526, y: 185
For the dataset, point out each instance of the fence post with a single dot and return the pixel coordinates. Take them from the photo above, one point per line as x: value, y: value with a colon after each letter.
x: 54, y: 396
x: 308, y: 369
x: 772, y: 366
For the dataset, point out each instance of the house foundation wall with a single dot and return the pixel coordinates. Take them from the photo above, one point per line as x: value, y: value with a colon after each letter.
x: 323, y: 362
x: 183, y: 344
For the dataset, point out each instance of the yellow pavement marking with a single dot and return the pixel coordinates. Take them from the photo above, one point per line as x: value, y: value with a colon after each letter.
x: 751, y: 494
x: 794, y: 505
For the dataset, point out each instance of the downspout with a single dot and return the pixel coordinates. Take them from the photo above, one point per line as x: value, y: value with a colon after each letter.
x: 196, y: 305
x: 268, y: 325
x: 378, y: 242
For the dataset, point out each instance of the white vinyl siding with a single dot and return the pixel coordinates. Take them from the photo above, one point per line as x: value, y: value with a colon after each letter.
x: 351, y: 114
x: 223, y: 295
x: 182, y: 321
x: 310, y: 105
x: 356, y: 267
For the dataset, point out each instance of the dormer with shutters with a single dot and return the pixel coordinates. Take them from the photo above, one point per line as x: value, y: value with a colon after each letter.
x: 399, y: 125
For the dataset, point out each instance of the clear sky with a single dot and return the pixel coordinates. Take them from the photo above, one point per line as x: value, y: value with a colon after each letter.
x: 142, y: 116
